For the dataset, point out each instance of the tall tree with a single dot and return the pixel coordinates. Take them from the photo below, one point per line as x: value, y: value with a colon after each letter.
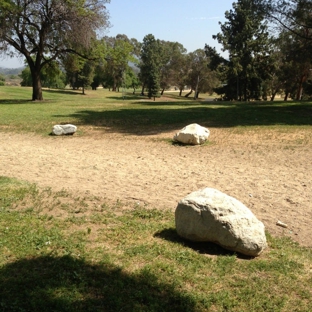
x: 295, y: 33
x: 245, y: 37
x: 151, y: 52
x: 120, y: 51
x: 44, y: 30
x: 171, y: 53
x: 200, y: 77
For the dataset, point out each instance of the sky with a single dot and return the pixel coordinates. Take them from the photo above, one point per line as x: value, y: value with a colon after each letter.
x: 191, y: 23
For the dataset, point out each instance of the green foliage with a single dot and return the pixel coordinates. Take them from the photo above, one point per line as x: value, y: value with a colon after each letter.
x: 151, y: 54
x: 171, y: 62
x: 200, y: 77
x: 2, y: 80
x: 79, y: 71
x: 114, y: 71
x: 51, y: 76
x: 245, y: 36
x: 132, y: 79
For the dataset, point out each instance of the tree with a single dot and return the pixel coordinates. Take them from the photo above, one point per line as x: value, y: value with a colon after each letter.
x: 171, y: 53
x: 200, y: 78
x: 291, y: 15
x: 150, y: 65
x: 245, y: 36
x: 119, y: 54
x: 44, y: 30
x: 79, y: 71
x: 181, y: 68
x: 131, y: 79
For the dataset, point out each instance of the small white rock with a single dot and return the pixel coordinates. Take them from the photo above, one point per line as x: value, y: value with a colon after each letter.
x: 64, y: 129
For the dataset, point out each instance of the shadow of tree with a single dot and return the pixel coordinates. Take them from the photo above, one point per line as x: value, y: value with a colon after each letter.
x: 208, y: 248
x: 163, y: 117
x: 9, y: 101
x: 63, y: 91
x: 68, y: 284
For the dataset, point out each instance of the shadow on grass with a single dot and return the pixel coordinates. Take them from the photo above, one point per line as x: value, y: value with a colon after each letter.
x: 67, y: 284
x: 161, y: 117
x: 12, y: 102
x: 63, y: 91
x: 201, y: 247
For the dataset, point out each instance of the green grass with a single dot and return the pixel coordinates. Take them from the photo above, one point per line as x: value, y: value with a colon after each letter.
x: 104, y: 110
x: 116, y: 257
x: 59, y: 252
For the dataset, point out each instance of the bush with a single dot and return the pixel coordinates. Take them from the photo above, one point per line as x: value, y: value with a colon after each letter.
x: 2, y: 80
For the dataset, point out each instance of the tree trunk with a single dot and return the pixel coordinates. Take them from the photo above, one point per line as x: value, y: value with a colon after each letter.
x: 37, y: 88
x: 300, y: 88
x: 273, y: 96
x: 35, y: 70
x: 180, y: 93
x: 143, y: 87
x: 162, y: 91
x: 188, y: 94
x: 196, y: 88
x: 286, y: 96
x: 299, y: 92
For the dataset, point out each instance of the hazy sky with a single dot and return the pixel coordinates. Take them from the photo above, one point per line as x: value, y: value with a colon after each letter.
x: 191, y: 23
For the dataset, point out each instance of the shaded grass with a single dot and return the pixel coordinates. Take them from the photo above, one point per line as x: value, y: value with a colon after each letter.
x: 134, y: 115
x: 56, y: 255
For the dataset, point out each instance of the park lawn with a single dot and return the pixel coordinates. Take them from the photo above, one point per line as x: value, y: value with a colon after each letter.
x: 134, y: 114
x: 103, y: 256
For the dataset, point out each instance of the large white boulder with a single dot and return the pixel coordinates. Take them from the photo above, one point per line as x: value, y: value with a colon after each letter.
x: 64, y: 129
x: 208, y: 215
x: 192, y: 134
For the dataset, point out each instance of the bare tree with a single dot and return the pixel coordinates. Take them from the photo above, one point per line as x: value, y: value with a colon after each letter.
x: 44, y: 30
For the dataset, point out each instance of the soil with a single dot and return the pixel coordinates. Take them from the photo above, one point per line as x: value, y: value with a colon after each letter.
x: 267, y: 170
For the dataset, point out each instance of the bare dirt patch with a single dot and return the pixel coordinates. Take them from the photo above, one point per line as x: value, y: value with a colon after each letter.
x: 270, y: 172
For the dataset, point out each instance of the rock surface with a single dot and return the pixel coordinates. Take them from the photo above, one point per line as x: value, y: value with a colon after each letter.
x: 192, y: 134
x: 64, y: 129
x: 209, y: 215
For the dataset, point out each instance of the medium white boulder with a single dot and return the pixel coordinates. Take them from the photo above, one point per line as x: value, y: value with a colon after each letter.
x: 192, y: 134
x: 64, y: 129
x: 209, y: 215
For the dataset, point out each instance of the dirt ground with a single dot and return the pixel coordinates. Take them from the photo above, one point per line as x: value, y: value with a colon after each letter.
x: 269, y: 172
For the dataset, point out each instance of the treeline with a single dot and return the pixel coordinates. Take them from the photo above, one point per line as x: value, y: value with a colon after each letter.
x: 266, y: 50
x: 148, y: 67
x: 267, y: 44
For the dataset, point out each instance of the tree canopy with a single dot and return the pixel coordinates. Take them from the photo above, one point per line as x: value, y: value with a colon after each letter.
x: 245, y: 37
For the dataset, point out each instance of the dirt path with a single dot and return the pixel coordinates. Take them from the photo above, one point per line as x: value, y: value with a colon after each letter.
x: 273, y: 180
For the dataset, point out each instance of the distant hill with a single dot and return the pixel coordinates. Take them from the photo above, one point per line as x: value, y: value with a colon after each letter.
x: 11, y: 71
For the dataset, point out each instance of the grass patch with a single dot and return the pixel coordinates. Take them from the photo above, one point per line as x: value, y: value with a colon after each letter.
x: 115, y: 257
x: 104, y: 110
